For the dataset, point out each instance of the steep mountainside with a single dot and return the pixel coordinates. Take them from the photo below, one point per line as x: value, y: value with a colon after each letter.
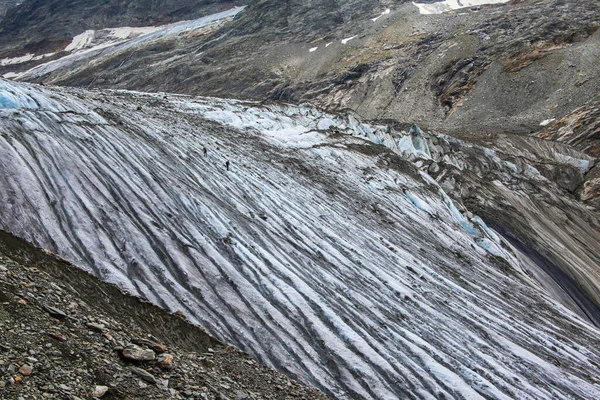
x: 339, y: 261
x: 47, y: 26
x: 581, y: 129
x: 497, y: 68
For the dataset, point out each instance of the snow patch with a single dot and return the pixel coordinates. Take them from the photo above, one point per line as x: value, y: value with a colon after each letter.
x: 386, y: 12
x: 449, y: 5
x: 344, y: 41
x: 22, y: 59
x: 547, y: 122
x: 82, y: 40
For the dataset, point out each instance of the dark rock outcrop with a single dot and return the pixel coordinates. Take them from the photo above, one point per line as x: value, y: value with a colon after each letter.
x: 6, y: 5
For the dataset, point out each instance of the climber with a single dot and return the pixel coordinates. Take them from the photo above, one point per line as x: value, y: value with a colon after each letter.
x: 205, y: 151
x: 227, y: 165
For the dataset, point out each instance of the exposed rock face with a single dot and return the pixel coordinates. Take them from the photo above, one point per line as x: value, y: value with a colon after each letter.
x: 6, y: 5
x: 502, y: 69
x: 310, y: 20
x: 581, y: 129
x: 327, y: 250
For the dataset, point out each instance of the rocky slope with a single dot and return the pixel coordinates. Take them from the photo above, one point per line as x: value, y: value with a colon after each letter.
x: 56, y: 343
x: 581, y: 129
x: 43, y: 27
x: 504, y: 68
x: 330, y: 249
x: 5, y: 5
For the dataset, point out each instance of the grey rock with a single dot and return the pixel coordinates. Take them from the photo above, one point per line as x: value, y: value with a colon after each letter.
x: 434, y: 168
x: 146, y: 376
x: 26, y: 370
x: 64, y: 387
x: 99, y: 391
x: 136, y: 353
x: 55, y: 312
x: 95, y: 326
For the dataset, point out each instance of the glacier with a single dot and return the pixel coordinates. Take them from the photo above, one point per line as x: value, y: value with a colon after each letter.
x: 327, y: 251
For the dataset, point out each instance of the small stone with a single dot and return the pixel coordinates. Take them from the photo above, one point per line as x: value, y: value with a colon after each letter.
x: 109, y: 337
x: 165, y: 361
x: 136, y: 353
x: 58, y: 337
x: 143, y: 375
x: 95, y: 327
x: 241, y: 396
x: 54, y: 312
x: 26, y: 370
x: 99, y: 391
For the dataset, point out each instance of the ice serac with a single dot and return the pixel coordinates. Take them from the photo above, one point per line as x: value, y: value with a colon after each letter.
x: 338, y: 261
